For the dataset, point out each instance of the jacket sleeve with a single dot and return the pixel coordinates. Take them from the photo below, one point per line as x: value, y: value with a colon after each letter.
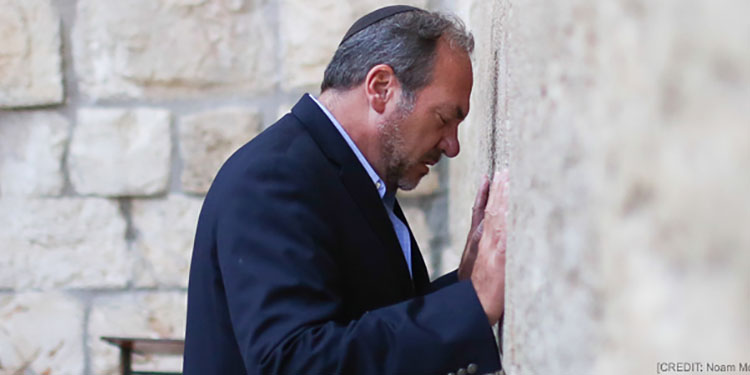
x: 283, y: 290
x: 441, y: 282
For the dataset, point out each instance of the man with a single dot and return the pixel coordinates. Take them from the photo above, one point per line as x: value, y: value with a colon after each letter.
x: 303, y: 261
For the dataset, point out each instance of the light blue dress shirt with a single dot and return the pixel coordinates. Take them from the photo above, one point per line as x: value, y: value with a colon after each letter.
x: 389, y: 199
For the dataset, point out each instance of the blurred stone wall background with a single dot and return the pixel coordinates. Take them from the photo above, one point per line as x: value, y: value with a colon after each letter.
x: 115, y: 117
x: 624, y: 124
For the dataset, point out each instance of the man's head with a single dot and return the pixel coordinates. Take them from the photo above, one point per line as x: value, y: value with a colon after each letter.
x: 414, y: 73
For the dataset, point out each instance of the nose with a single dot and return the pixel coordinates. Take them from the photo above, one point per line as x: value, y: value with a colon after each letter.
x: 449, y: 142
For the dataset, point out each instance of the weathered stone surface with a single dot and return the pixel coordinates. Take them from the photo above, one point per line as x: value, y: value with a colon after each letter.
x: 41, y: 333
x: 139, y: 314
x: 674, y: 202
x: 32, y: 145
x: 465, y: 171
x: 423, y: 234
x: 427, y: 186
x: 120, y: 152
x: 174, y: 48
x: 165, y: 229
x: 30, y: 63
x: 311, y: 31
x: 626, y: 240
x: 466, y: 10
x: 207, y: 139
x: 62, y: 243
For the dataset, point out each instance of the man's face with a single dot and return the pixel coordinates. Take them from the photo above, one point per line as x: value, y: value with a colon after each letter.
x: 415, y: 135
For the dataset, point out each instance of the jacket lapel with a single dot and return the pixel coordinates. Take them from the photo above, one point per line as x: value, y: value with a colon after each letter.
x: 356, y: 180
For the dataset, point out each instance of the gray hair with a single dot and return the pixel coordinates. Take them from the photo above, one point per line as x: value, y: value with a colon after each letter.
x: 407, y: 42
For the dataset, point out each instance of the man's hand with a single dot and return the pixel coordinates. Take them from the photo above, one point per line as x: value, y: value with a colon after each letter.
x: 475, y: 232
x: 488, y: 274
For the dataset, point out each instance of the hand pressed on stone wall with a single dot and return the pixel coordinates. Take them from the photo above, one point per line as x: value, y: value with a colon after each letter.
x: 475, y: 232
x: 488, y: 268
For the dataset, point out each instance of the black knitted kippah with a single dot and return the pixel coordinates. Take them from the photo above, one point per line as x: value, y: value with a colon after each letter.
x: 376, y: 16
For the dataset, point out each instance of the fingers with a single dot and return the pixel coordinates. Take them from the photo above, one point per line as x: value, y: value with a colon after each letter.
x: 505, y: 185
x: 484, y: 190
x: 497, y: 192
x: 480, y: 202
x: 488, y: 276
x: 497, y: 206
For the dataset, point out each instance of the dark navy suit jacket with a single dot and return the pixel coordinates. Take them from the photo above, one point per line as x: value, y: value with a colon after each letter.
x: 296, y: 269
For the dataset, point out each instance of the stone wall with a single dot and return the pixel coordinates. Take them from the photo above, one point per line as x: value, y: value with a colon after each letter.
x: 114, y: 117
x: 626, y: 129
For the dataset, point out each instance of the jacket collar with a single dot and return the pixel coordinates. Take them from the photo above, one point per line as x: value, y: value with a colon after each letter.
x: 358, y: 184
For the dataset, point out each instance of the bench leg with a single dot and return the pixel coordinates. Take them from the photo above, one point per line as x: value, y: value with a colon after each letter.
x: 126, y: 355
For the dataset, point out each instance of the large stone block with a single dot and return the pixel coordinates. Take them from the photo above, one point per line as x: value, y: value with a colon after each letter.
x: 175, y: 48
x: 62, y: 243
x: 41, y: 334
x: 674, y: 199
x: 207, y: 139
x: 165, y: 229
x: 311, y: 31
x: 30, y: 62
x: 626, y: 242
x: 138, y: 314
x: 120, y: 152
x: 31, y: 151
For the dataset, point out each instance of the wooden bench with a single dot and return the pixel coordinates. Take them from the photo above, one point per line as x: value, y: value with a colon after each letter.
x: 144, y: 346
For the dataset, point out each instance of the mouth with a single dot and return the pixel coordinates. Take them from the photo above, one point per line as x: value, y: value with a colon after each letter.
x: 430, y: 160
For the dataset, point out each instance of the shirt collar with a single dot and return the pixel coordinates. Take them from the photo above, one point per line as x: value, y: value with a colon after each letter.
x: 376, y: 180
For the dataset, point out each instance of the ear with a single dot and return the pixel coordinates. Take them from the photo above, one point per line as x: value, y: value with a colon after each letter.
x: 381, y: 85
